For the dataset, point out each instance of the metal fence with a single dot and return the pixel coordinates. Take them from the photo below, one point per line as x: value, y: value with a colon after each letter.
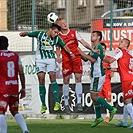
x: 82, y: 15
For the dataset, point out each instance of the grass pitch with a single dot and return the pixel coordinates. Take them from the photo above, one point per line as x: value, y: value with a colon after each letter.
x: 67, y: 126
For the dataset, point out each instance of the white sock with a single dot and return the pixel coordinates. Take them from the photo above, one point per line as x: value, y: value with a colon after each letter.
x: 3, y: 125
x: 78, y: 90
x: 108, y: 114
x: 21, y: 122
x: 66, y: 93
x: 130, y: 111
x: 125, y: 113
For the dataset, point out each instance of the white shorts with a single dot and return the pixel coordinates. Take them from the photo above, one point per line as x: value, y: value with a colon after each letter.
x: 97, y: 83
x: 45, y: 65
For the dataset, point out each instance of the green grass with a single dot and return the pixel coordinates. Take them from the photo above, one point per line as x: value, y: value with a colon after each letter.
x: 66, y: 126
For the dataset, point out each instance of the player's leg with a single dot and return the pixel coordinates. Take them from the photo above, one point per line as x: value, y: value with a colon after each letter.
x: 123, y: 123
x: 51, y: 69
x: 129, y: 105
x: 66, y: 93
x: 41, y: 70
x: 127, y: 88
x: 94, y: 91
x: 14, y: 111
x: 66, y: 71
x: 107, y: 94
x: 97, y: 108
x: 3, y: 109
x: 95, y: 87
x: 78, y: 89
x: 77, y: 69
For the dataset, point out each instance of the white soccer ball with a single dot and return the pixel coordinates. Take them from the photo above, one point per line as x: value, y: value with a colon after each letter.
x: 52, y: 17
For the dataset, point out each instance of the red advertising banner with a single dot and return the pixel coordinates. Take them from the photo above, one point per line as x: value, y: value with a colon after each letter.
x: 122, y: 28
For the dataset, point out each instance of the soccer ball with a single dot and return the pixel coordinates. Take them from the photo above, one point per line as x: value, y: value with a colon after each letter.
x: 52, y: 17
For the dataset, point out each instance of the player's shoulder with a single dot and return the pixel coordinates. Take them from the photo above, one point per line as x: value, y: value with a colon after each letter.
x: 98, y: 46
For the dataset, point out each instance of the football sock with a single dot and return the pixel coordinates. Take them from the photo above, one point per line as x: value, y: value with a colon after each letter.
x: 21, y: 122
x: 3, y: 125
x: 125, y: 113
x: 66, y: 93
x: 42, y: 92
x: 78, y: 90
x: 108, y: 114
x: 103, y: 102
x: 97, y: 108
x: 130, y: 110
x: 55, y: 90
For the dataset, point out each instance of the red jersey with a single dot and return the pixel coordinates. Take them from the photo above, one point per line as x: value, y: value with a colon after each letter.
x: 71, y: 41
x: 9, y: 63
x: 125, y: 64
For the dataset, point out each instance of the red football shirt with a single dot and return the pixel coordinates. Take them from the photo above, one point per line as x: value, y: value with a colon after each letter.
x: 71, y: 41
x: 9, y: 63
x: 125, y: 63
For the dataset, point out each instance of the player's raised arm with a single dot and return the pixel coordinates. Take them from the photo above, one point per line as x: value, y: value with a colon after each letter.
x: 86, y: 57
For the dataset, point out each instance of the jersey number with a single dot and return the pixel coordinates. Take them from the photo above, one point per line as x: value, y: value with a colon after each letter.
x: 11, y: 69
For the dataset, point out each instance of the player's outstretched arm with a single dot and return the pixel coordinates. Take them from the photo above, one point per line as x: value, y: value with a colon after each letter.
x: 86, y: 57
x: 88, y: 46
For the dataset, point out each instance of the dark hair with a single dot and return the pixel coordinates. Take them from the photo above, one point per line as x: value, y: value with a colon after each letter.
x: 3, y: 42
x: 55, y: 26
x: 99, y: 33
x: 103, y: 44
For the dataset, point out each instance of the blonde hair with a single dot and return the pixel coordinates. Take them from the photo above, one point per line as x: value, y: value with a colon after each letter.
x: 59, y: 19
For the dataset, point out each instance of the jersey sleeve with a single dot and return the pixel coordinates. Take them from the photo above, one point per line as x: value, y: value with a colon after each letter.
x: 118, y: 54
x: 114, y: 64
x: 60, y: 42
x: 33, y: 33
x: 78, y: 36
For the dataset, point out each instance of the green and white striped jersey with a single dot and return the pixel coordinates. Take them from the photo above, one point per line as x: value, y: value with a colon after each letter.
x: 45, y: 44
x: 97, y: 67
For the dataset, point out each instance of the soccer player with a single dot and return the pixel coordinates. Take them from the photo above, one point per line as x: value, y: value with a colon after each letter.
x: 106, y: 88
x: 69, y: 65
x: 10, y: 67
x: 125, y: 69
x: 98, y: 77
x: 45, y: 61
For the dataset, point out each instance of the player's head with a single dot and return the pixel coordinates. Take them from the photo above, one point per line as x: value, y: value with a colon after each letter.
x: 124, y: 43
x: 3, y: 43
x: 104, y: 46
x: 54, y: 30
x: 62, y: 23
x: 96, y: 36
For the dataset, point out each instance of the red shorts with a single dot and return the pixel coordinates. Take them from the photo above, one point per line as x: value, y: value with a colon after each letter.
x: 127, y: 89
x: 106, y: 91
x: 70, y: 66
x: 9, y: 100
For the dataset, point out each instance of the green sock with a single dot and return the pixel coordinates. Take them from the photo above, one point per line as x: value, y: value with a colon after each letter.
x: 103, y: 102
x: 97, y: 108
x: 55, y: 90
x: 42, y: 92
